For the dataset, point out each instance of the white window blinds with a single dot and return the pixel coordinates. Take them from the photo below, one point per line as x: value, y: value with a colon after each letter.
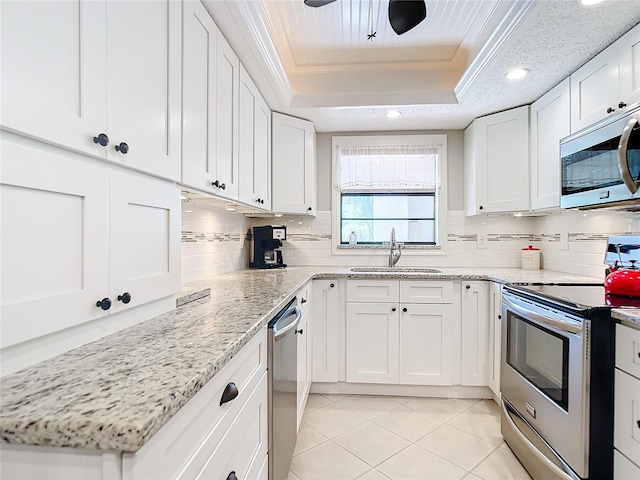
x: 388, y: 168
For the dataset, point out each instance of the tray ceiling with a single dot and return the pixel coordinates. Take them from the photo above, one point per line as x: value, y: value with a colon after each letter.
x: 318, y: 64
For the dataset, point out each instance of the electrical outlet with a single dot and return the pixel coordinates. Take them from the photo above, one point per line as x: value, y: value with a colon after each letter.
x: 481, y: 240
x: 564, y: 241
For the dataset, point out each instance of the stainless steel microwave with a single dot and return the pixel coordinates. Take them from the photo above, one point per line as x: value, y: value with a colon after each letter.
x: 601, y: 163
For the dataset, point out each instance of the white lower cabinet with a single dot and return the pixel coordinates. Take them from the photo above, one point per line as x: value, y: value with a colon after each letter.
x: 305, y: 352
x: 475, y: 333
x: 85, y: 241
x: 495, y: 338
x: 626, y: 427
x: 399, y: 342
x: 327, y: 310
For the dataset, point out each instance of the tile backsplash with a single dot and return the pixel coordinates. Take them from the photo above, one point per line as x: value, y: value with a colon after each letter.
x: 215, y: 241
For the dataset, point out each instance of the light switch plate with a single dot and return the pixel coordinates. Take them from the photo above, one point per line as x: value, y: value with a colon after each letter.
x: 564, y: 241
x: 481, y: 240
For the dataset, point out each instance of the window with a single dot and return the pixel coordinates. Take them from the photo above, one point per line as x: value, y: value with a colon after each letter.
x: 387, y: 182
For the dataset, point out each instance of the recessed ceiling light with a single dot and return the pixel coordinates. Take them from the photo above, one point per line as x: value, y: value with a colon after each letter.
x: 393, y: 114
x: 590, y: 2
x: 517, y: 73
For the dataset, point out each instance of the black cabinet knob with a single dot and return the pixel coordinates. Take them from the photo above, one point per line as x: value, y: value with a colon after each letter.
x: 332, y: 285
x: 499, y: 317
x: 216, y: 184
x: 232, y: 476
x: 611, y: 110
x: 299, y: 331
x: 125, y: 297
x: 104, y: 304
x: 257, y: 200
x: 393, y: 309
x: 481, y: 207
x: 404, y: 309
x: 638, y: 423
x: 310, y: 208
x: 102, y: 139
x: 262, y: 201
x: 304, y: 300
x: 467, y: 287
x: 230, y: 392
x: 123, y: 148
x: 622, y: 105
x: 223, y: 186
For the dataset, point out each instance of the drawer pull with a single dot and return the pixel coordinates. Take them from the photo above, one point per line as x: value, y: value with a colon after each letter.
x: 230, y: 392
x: 232, y: 476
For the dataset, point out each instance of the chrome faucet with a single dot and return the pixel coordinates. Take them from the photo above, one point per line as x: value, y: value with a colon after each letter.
x: 394, y: 251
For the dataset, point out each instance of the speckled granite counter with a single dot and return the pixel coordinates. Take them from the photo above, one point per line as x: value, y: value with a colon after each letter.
x: 627, y: 316
x: 117, y: 392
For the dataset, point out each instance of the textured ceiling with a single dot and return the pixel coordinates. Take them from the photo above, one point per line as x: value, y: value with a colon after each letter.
x: 316, y: 63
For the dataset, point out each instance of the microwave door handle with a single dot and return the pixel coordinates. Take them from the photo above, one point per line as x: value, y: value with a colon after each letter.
x: 623, y: 162
x: 542, y: 320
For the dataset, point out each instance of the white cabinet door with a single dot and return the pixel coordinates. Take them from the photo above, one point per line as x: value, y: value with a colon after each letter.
x: 144, y: 238
x: 327, y: 308
x: 199, y: 58
x: 497, y: 162
x: 550, y: 121
x: 595, y: 89
x: 303, y: 334
x: 143, y: 85
x: 253, y: 145
x: 475, y: 333
x: 623, y: 468
x: 629, y: 58
x: 426, y: 344
x: 55, y: 260
x: 294, y: 165
x: 626, y: 428
x: 495, y: 338
x: 53, y: 71
x: 372, y: 343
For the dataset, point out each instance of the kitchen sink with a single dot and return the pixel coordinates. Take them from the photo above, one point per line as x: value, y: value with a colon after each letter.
x: 396, y: 269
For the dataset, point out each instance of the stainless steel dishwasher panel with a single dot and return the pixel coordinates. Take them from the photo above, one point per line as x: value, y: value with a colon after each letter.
x: 282, y: 365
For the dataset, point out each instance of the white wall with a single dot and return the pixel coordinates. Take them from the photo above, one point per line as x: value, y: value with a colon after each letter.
x: 213, y: 241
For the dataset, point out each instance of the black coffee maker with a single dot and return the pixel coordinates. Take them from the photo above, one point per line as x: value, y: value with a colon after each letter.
x: 266, y: 243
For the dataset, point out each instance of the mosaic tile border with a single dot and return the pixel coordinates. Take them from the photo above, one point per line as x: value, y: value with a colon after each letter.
x: 192, y: 237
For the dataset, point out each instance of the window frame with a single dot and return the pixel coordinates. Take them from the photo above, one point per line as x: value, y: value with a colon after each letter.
x: 433, y: 140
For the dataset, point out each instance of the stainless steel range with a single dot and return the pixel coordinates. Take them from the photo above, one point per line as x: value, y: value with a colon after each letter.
x: 557, y: 379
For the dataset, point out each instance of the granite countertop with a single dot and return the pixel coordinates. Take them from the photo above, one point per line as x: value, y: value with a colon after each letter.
x: 117, y: 392
x: 628, y: 316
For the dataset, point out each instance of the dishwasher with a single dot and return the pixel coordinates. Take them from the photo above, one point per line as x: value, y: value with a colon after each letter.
x: 282, y: 353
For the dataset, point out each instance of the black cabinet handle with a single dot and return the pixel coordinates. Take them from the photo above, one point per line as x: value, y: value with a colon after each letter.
x: 104, y: 304
x: 125, y: 297
x: 299, y: 331
x: 404, y: 309
x: 393, y: 309
x: 622, y: 105
x: 309, y: 208
x: 304, y: 300
x: 611, y: 110
x: 230, y: 392
x: 481, y: 207
x: 123, y: 148
x: 102, y: 139
x: 232, y: 476
x: 216, y: 184
x: 467, y: 287
x: 499, y: 317
x: 223, y: 186
x: 638, y: 423
x: 332, y: 285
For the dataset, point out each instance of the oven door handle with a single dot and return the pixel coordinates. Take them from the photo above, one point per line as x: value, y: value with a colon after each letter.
x: 541, y: 319
x: 623, y: 161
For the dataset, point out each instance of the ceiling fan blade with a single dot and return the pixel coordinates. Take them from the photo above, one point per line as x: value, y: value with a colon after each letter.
x: 317, y: 3
x: 405, y: 14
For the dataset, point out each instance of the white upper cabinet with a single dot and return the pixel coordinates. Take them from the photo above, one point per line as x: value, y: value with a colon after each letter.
x: 607, y: 83
x: 74, y: 70
x: 85, y: 242
x: 255, y: 145
x: 496, y: 163
x: 550, y: 121
x: 53, y: 71
x: 294, y: 165
x: 202, y: 167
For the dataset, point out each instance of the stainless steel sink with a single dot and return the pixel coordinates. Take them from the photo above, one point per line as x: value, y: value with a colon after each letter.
x: 396, y: 269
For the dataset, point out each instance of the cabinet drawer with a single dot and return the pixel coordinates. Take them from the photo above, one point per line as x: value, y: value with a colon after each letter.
x: 426, y: 292
x: 243, y: 447
x: 626, y: 433
x: 628, y: 350
x: 623, y: 469
x: 373, y: 290
x: 203, y: 418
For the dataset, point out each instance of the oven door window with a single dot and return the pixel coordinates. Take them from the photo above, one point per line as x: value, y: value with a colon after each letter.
x: 540, y: 356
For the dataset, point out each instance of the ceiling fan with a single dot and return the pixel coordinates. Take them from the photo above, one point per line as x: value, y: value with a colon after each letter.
x: 403, y: 14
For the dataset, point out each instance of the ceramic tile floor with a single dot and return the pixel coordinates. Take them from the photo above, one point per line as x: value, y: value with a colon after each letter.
x: 401, y: 438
